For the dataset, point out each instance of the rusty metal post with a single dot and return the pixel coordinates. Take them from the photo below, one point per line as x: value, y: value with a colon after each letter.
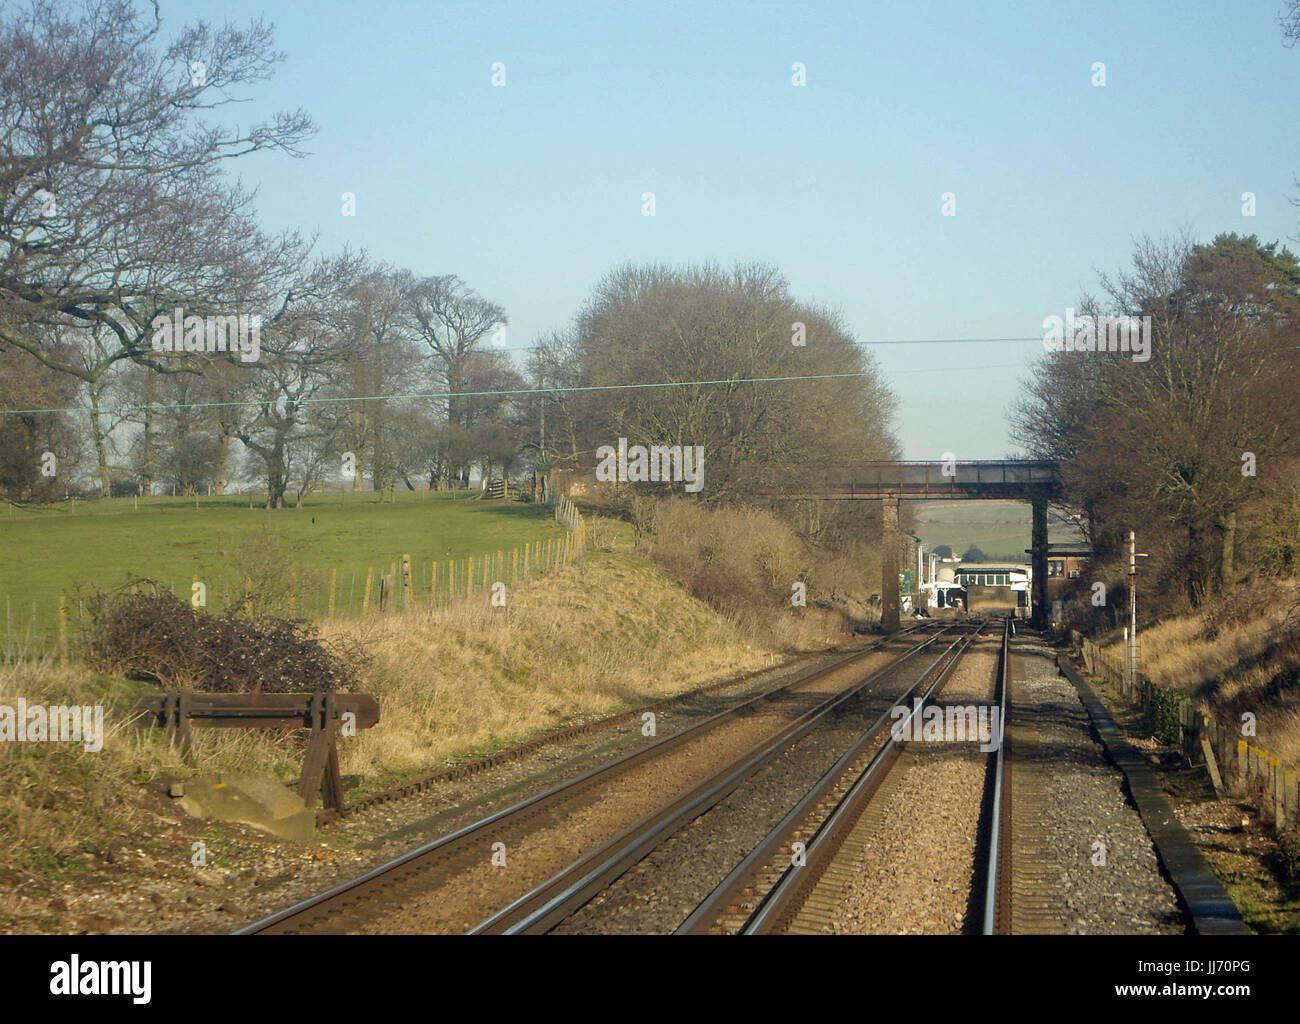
x: 1038, y: 566
x: 321, y: 764
x: 889, y: 566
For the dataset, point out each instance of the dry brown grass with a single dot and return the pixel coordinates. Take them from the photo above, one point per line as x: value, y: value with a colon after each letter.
x: 1251, y: 666
x: 58, y: 799
x: 586, y: 641
x: 744, y: 562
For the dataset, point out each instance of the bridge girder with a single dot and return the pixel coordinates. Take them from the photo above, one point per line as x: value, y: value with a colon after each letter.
x: 1035, y: 481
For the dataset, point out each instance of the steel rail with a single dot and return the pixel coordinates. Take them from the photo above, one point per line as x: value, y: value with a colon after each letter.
x: 464, y: 769
x: 784, y: 898
x: 992, y: 891
x: 729, y: 890
x: 383, y: 877
x: 564, y: 893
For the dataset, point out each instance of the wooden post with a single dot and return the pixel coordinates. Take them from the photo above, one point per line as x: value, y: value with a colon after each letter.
x: 321, y: 767
x: 175, y: 716
x: 63, y: 629
x: 370, y: 582
x: 1207, y: 751
x: 406, y: 581
x: 1275, y: 785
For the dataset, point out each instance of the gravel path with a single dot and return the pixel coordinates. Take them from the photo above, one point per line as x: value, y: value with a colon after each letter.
x: 1092, y: 862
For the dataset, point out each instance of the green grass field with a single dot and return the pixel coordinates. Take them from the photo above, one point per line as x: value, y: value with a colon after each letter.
x: 65, y: 549
x: 998, y: 528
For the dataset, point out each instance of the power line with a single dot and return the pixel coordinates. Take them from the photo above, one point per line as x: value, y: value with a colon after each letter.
x: 434, y: 395
x: 894, y: 341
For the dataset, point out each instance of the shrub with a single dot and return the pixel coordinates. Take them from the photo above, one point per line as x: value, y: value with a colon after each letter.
x: 1289, y: 848
x: 159, y: 638
x: 602, y: 533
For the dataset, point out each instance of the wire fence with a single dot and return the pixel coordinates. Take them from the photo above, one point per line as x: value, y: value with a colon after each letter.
x: 1235, y: 765
x: 35, y: 630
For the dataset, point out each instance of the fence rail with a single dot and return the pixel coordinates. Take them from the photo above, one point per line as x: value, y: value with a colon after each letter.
x: 1236, y: 766
x: 31, y: 631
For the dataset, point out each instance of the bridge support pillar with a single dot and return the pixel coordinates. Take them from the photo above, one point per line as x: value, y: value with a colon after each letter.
x: 889, y: 544
x: 1038, y: 563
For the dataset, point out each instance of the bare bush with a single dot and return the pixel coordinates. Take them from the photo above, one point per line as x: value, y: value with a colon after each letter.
x: 159, y: 638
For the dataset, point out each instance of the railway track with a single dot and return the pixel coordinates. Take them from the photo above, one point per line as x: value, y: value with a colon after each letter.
x: 451, y: 773
x: 662, y: 807
x: 792, y: 881
x: 774, y: 718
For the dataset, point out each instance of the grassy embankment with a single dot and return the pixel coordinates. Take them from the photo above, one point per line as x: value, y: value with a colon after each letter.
x: 609, y: 632
x: 1249, y: 663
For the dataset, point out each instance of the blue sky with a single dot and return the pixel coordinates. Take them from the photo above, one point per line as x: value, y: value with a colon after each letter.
x: 532, y: 192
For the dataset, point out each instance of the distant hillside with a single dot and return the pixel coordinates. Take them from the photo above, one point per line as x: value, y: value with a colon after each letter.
x: 998, y: 528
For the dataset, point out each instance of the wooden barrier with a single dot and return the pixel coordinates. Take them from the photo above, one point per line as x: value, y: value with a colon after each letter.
x: 321, y: 712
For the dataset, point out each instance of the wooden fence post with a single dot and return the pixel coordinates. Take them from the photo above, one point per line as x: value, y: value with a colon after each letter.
x: 1275, y: 784
x: 63, y: 629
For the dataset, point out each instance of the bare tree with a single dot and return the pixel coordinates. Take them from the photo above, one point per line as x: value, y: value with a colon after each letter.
x: 1184, y: 442
x: 452, y: 320
x: 113, y: 205
x: 721, y: 340
x: 1289, y: 21
x: 301, y: 351
x: 379, y: 361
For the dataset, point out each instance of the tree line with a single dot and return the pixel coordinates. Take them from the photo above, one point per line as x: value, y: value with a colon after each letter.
x: 1197, y: 448
x: 118, y: 207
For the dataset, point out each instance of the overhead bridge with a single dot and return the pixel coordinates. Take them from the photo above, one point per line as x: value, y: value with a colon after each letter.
x: 1035, y: 481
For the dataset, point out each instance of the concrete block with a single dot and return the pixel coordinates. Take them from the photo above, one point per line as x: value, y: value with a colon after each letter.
x: 251, y: 799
